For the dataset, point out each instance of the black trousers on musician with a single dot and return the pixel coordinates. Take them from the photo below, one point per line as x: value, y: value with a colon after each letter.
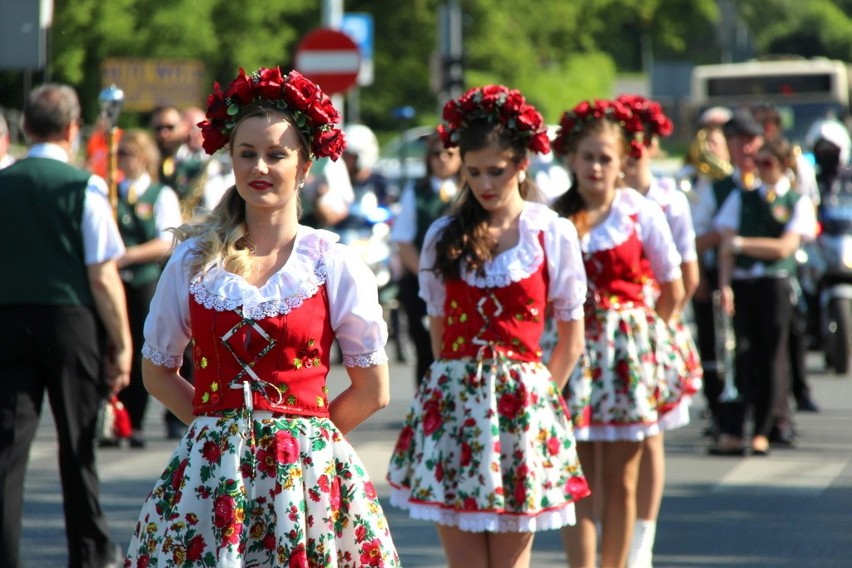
x: 53, y: 350
x: 762, y: 326
x: 415, y: 312
x: 135, y: 397
x: 702, y: 311
x: 799, y: 348
x: 712, y: 384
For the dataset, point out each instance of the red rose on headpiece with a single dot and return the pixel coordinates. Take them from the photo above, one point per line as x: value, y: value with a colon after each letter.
x: 539, y: 143
x: 663, y: 126
x: 636, y: 149
x: 213, y: 137
x: 493, y: 91
x: 241, y: 89
x: 467, y: 107
x: 217, y: 107
x: 621, y: 112
x: 513, y: 103
x: 529, y: 118
x: 329, y: 144
x: 633, y: 124
x: 323, y: 112
x: 445, y: 136
x: 300, y: 91
x: 453, y: 113
x: 269, y: 83
x: 582, y: 108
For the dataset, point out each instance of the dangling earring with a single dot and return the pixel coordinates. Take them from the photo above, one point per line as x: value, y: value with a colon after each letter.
x: 301, y: 183
x: 522, y: 176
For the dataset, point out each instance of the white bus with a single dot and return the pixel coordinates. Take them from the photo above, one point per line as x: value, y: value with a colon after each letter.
x: 803, y: 90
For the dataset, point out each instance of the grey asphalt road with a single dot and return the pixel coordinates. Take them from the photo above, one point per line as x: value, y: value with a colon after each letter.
x: 791, y: 509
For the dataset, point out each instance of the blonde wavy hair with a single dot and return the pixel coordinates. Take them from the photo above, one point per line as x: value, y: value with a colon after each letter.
x: 222, y: 234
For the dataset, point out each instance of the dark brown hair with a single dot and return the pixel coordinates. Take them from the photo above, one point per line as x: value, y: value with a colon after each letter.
x: 782, y: 150
x: 465, y: 238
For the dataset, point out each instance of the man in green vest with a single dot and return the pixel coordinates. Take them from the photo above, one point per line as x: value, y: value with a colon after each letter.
x: 63, y: 323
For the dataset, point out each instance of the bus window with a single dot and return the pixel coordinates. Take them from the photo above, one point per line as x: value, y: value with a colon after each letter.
x: 802, y: 90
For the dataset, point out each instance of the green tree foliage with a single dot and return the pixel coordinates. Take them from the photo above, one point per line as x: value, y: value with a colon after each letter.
x: 557, y: 52
x: 810, y: 29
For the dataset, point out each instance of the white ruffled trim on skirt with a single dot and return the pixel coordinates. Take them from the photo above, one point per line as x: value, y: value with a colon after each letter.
x: 479, y: 521
x: 616, y: 433
x: 678, y: 416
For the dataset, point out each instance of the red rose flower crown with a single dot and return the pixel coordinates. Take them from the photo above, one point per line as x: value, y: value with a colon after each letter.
x: 495, y: 103
x: 572, y: 122
x: 311, y: 109
x: 652, y: 120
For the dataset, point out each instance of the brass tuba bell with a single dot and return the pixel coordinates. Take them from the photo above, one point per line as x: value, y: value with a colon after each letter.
x: 706, y: 162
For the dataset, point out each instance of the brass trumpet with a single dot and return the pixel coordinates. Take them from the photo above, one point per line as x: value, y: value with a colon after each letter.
x: 706, y: 162
x: 726, y: 345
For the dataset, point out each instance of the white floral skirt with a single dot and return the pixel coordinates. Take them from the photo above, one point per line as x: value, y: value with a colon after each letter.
x: 488, y: 451
x: 262, y: 491
x: 684, y: 375
x: 629, y: 375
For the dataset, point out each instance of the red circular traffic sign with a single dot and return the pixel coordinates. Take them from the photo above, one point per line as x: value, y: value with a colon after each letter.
x: 329, y: 58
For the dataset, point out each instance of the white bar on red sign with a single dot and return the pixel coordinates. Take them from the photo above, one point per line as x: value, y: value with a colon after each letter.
x: 328, y: 61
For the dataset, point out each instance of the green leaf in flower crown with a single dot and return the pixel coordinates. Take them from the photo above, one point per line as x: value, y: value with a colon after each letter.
x: 233, y: 109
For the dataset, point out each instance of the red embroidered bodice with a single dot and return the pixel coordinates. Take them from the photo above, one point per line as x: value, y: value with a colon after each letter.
x: 617, y: 276
x: 509, y: 319
x: 285, y: 358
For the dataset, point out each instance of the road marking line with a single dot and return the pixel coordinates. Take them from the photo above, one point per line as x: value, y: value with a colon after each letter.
x: 781, y: 475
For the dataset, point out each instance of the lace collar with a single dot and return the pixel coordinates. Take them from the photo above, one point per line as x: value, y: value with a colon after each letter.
x: 618, y: 225
x: 299, y: 279
x: 522, y: 260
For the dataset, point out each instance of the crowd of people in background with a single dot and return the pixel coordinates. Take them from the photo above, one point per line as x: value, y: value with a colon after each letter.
x: 532, y: 289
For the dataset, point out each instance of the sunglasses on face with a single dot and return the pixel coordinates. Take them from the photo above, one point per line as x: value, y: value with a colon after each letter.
x: 124, y: 152
x: 766, y: 162
x: 169, y: 127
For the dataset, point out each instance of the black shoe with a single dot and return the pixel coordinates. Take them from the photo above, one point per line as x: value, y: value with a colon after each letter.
x: 109, y: 443
x: 734, y: 452
x: 136, y: 442
x: 806, y: 405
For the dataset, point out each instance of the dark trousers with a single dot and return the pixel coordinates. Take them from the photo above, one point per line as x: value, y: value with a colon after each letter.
x: 799, y: 349
x: 135, y: 396
x: 712, y: 383
x: 762, y: 326
x: 54, y: 350
x: 415, y: 312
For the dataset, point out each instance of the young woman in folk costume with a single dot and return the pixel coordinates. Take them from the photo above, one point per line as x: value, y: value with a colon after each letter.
x: 683, y: 363
x: 487, y: 451
x: 616, y: 395
x: 263, y: 475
